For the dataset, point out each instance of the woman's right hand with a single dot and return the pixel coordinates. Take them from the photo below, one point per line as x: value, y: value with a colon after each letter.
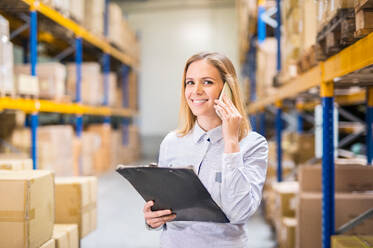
x: 156, y: 219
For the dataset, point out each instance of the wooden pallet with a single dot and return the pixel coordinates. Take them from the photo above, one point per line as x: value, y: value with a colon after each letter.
x: 307, y: 60
x: 337, y: 34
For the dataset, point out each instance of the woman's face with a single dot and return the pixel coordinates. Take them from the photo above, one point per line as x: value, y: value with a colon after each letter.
x: 203, y: 85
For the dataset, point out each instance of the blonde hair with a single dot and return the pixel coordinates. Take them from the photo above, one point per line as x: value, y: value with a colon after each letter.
x: 228, y: 75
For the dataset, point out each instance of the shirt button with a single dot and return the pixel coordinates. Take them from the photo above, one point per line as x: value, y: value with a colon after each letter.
x: 208, y: 139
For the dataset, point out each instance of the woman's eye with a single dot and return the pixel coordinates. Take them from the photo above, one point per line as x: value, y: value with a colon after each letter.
x: 208, y: 82
x: 189, y: 83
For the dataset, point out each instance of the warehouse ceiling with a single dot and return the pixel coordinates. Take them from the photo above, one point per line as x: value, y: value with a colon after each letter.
x: 132, y: 6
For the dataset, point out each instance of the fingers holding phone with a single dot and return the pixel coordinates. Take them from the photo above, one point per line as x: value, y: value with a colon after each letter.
x: 158, y: 218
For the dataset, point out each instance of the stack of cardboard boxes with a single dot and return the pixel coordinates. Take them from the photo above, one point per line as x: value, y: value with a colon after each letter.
x: 51, y: 79
x: 295, y: 211
x: 39, y: 210
x: 353, y: 187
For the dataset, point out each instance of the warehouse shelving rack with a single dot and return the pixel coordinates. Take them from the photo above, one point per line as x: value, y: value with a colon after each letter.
x: 34, y: 106
x: 326, y: 75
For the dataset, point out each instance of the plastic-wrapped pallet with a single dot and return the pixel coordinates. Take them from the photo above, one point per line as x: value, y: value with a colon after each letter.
x: 26, y: 208
x: 66, y: 235
x: 91, y: 85
x: 51, y: 76
x: 6, y: 59
x: 76, y: 202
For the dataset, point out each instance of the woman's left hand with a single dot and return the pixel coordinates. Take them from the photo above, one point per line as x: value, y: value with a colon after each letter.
x: 231, y: 119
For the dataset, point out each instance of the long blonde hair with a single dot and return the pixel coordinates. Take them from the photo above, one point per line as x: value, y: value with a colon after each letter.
x: 228, y: 75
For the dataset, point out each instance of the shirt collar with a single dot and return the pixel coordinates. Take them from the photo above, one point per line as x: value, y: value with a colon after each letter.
x: 214, y: 134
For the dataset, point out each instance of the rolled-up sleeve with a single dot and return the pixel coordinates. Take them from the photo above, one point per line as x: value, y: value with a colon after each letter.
x: 243, y: 177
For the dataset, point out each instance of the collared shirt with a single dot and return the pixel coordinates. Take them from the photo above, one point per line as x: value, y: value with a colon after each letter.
x: 234, y: 180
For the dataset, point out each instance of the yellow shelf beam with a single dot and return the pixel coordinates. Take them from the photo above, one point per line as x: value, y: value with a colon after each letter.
x: 354, y: 98
x: 307, y: 80
x: 81, y: 32
x: 350, y: 59
x: 35, y: 105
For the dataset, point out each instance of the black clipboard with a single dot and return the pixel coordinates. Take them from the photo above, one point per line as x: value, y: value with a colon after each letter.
x: 178, y: 189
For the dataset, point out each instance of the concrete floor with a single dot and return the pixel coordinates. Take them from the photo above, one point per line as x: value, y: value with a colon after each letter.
x: 120, y: 221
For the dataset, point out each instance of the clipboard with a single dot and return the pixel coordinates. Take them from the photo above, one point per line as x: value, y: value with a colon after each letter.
x: 178, y: 189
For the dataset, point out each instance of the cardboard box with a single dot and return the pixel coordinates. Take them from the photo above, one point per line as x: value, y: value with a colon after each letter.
x: 91, y: 143
x: 287, y: 233
x: 133, y: 91
x: 286, y: 198
x: 7, y: 124
x: 348, y: 178
x: 130, y: 43
x: 55, y: 149
x: 76, y: 10
x: 66, y: 236
x: 49, y: 244
x: 21, y: 139
x: 345, y: 241
x: 298, y: 147
x: 76, y: 202
x: 91, y: 84
x: 27, y: 85
x: 26, y: 208
x: 115, y: 28
x: 51, y: 78
x: 112, y: 87
x: 266, y: 66
x: 308, y: 25
x: 15, y: 162
x: 77, y: 153
x: 94, y: 16
x: 347, y: 207
x: 364, y: 20
x: 102, y: 158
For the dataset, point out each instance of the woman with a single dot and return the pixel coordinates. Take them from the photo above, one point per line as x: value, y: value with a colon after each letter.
x: 230, y: 159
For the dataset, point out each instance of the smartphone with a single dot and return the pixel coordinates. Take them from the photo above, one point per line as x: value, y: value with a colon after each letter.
x: 225, y: 91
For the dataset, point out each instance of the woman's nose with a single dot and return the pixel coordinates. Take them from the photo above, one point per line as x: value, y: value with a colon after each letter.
x: 198, y: 89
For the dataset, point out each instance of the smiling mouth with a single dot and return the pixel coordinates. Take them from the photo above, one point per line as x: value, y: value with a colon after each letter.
x: 199, y: 100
